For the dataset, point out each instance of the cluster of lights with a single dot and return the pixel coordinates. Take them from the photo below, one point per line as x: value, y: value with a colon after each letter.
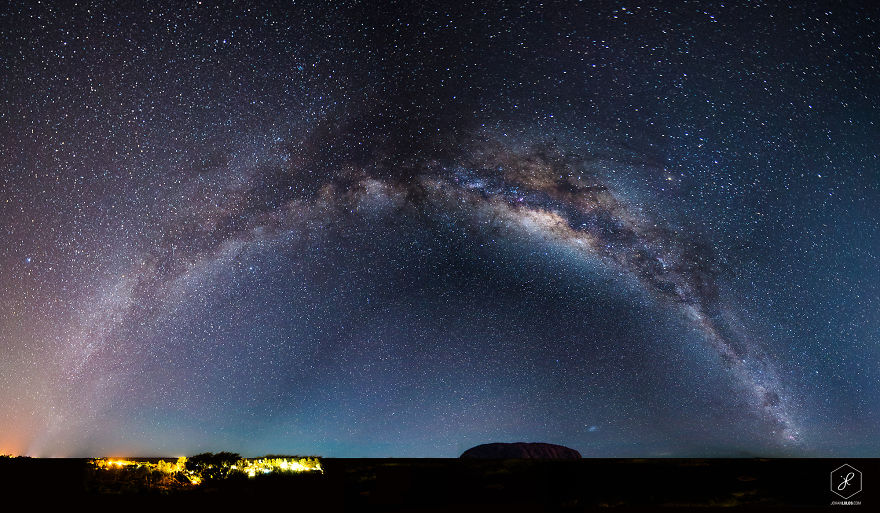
x: 163, y: 466
x: 270, y: 465
x: 251, y: 467
x: 109, y: 464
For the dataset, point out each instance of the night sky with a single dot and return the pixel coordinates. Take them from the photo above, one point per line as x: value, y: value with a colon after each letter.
x: 352, y: 230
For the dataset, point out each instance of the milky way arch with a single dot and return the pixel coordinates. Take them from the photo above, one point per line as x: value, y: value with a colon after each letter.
x: 534, y: 189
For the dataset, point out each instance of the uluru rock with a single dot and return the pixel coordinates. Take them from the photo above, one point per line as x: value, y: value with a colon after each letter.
x: 522, y: 450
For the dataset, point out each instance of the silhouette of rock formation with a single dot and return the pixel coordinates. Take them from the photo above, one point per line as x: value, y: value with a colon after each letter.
x: 522, y: 450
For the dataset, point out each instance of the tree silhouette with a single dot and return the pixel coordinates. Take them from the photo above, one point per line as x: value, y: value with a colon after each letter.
x: 214, y: 467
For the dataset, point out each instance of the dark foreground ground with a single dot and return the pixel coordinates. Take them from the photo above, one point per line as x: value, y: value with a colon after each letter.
x: 475, y: 485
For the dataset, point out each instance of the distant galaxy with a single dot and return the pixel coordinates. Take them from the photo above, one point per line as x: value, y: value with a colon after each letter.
x: 354, y: 231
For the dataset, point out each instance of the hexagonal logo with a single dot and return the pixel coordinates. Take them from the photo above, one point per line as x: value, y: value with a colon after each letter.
x: 846, y: 481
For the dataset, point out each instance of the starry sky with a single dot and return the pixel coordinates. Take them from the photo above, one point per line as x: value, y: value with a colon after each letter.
x: 355, y: 229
